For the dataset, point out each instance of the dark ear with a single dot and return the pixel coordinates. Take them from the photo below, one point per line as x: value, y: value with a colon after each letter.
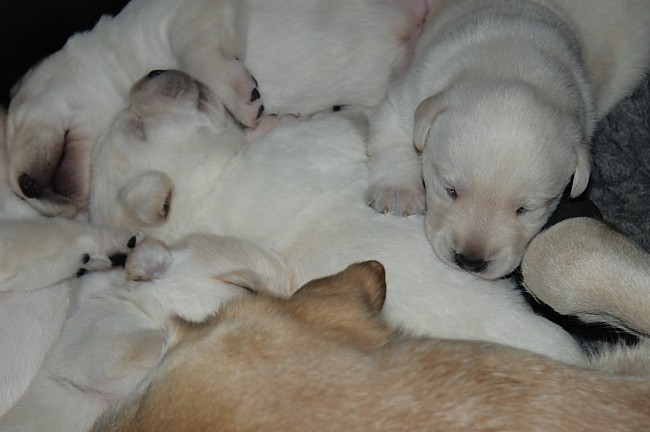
x: 425, y: 114
x: 146, y: 199
x: 361, y: 285
x: 583, y: 170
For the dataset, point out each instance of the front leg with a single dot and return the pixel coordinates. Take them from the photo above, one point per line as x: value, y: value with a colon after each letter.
x: 214, y: 52
x: 395, y: 183
x: 38, y: 253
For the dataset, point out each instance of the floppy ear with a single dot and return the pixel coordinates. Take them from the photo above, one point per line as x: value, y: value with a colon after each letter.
x: 149, y: 260
x: 583, y: 170
x: 362, y: 286
x: 146, y: 199
x: 424, y: 116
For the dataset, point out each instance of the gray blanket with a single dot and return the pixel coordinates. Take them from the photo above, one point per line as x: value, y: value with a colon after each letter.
x: 620, y: 181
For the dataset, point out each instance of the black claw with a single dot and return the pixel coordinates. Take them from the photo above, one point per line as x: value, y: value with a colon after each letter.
x: 255, y: 95
x: 255, y: 81
x: 260, y: 111
x: 29, y: 187
x: 131, y: 243
x: 81, y: 272
x: 85, y: 258
x: 118, y: 260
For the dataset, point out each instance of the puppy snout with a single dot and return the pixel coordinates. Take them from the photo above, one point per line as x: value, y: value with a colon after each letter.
x: 470, y: 263
x: 29, y: 187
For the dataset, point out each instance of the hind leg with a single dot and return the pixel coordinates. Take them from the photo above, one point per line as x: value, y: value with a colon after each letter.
x: 583, y: 267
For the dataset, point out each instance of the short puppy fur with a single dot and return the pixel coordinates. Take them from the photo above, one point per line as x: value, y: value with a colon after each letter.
x: 324, y: 360
x: 501, y: 101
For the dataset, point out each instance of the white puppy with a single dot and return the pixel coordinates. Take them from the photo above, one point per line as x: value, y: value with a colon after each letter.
x: 501, y: 99
x: 39, y: 259
x: 125, y: 322
x: 181, y: 169
x: 64, y: 102
x: 307, y: 55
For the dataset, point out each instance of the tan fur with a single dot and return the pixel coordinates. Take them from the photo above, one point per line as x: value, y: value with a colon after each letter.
x: 324, y: 360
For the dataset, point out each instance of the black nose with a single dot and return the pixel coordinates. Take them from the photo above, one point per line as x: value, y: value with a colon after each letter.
x: 30, y: 188
x: 154, y: 73
x: 469, y: 263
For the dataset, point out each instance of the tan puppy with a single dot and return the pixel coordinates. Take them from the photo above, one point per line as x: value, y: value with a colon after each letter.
x: 501, y: 99
x: 324, y: 360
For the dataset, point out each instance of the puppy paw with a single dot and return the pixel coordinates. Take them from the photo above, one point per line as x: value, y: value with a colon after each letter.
x: 246, y: 101
x: 148, y: 261
x: 400, y: 200
x: 107, y: 248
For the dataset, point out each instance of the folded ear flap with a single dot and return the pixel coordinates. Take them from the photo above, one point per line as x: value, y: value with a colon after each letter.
x: 361, y: 286
x: 583, y: 170
x: 146, y: 199
x: 149, y: 260
x: 425, y: 114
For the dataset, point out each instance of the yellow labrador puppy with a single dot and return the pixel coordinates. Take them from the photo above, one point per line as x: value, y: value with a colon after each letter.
x: 501, y: 101
x: 170, y: 165
x: 324, y: 360
x: 307, y: 56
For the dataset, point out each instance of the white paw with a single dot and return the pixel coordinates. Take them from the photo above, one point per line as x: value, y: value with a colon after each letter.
x: 398, y: 200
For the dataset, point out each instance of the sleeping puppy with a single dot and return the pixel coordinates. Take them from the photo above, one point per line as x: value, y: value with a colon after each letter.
x: 64, y: 102
x: 501, y: 99
x: 171, y: 164
x: 307, y: 55
x: 39, y: 259
x: 324, y: 360
x: 123, y: 324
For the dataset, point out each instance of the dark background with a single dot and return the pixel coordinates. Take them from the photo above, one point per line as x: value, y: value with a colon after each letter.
x: 33, y: 29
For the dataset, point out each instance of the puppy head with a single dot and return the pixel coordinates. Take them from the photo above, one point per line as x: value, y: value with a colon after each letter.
x: 495, y: 164
x: 142, y: 166
x: 55, y: 115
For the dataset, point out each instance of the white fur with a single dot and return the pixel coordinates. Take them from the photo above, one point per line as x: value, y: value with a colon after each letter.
x: 501, y: 99
x: 124, y: 323
x: 299, y: 191
x: 306, y: 55
x: 39, y: 258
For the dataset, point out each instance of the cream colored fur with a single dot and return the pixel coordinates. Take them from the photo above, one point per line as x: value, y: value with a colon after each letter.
x: 307, y: 55
x: 501, y: 100
x: 39, y: 258
x: 123, y: 325
x: 297, y: 191
x: 325, y: 360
